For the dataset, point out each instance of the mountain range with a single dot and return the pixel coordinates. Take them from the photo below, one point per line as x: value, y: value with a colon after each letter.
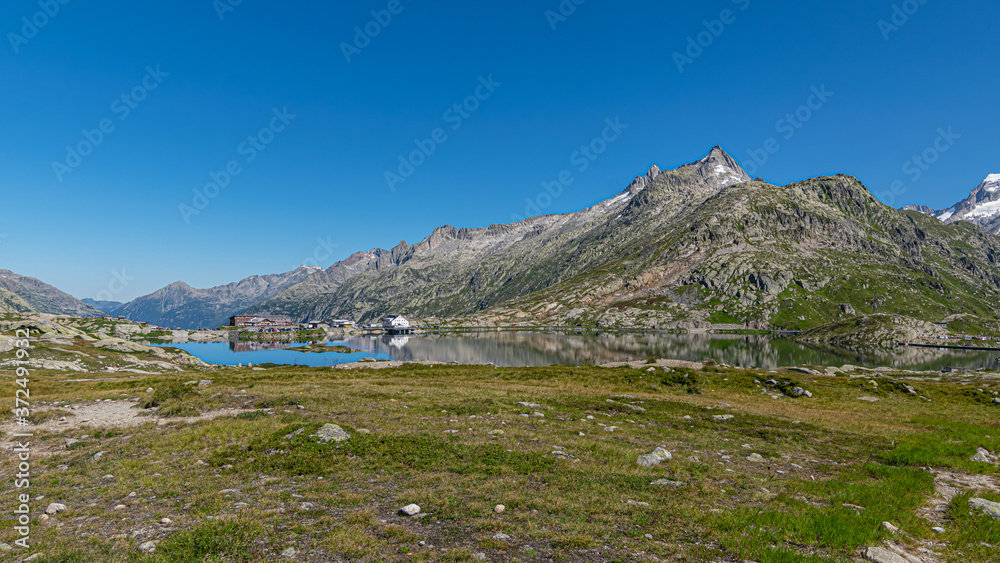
x: 702, y: 245
x: 22, y: 294
x: 982, y: 207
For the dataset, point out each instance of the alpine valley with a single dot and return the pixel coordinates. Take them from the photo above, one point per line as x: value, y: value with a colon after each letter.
x: 702, y: 246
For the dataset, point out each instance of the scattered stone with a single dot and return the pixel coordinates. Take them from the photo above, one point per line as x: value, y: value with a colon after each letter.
x: 723, y: 417
x: 55, y: 508
x: 5, y: 548
x: 982, y: 456
x: 658, y: 456
x: 71, y: 441
x: 479, y: 556
x: 499, y: 508
x: 229, y: 492
x: 204, y: 382
x: 530, y: 405
x: 990, y: 508
x: 166, y: 521
x: 501, y: 536
x: 636, y: 503
x: 883, y: 555
x: 563, y: 455
x: 939, y: 529
x: 148, y: 547
x: 331, y: 433
x: 889, y: 527
x: 150, y: 390
x: 97, y: 456
x: 119, y: 507
x: 755, y: 458
x: 870, y: 400
x: 409, y: 510
x: 668, y: 483
x: 290, y: 552
x: 626, y: 405
x: 798, y: 392
x: 610, y: 428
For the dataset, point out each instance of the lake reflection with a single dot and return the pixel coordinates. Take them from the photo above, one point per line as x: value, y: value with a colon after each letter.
x: 522, y: 349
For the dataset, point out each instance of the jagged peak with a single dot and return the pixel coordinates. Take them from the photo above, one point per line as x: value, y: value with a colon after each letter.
x: 719, y: 169
x: 640, y: 182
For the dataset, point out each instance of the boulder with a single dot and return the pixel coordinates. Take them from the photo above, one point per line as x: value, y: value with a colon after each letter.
x: 989, y: 507
x: 658, y: 456
x: 331, y: 433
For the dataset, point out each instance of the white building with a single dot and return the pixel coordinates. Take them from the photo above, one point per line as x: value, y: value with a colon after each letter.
x: 395, y: 321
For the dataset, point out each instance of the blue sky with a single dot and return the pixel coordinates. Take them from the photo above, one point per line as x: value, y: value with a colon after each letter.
x: 183, y: 93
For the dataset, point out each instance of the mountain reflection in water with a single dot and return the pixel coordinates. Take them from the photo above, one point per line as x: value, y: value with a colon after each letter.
x: 523, y: 349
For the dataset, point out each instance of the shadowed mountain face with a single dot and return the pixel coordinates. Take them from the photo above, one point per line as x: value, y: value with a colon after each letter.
x: 21, y: 294
x: 982, y: 207
x: 180, y: 305
x: 697, y: 245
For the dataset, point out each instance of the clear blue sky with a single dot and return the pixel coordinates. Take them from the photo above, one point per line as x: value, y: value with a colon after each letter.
x: 217, y: 81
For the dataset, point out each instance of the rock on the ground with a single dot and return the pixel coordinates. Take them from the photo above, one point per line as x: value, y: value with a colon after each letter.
x: 148, y: 547
x: 658, y: 456
x: 890, y: 527
x: 499, y: 508
x: 290, y: 552
x: 723, y: 417
x: 55, y: 508
x: 667, y: 483
x: 989, y: 507
x: 331, y: 433
x: 756, y: 458
x: 409, y: 510
x: 982, y: 456
x: 870, y: 400
x: 883, y: 555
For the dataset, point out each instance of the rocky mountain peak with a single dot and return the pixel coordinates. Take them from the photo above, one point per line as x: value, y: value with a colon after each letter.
x: 719, y: 170
x: 641, y: 182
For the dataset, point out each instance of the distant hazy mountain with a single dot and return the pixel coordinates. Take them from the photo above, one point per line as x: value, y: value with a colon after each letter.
x: 106, y: 306
x: 180, y: 305
x: 982, y: 207
x: 697, y: 245
x: 21, y: 294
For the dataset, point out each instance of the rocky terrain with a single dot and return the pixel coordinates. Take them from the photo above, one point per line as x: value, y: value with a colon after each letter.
x: 22, y: 294
x: 982, y: 207
x: 699, y: 247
